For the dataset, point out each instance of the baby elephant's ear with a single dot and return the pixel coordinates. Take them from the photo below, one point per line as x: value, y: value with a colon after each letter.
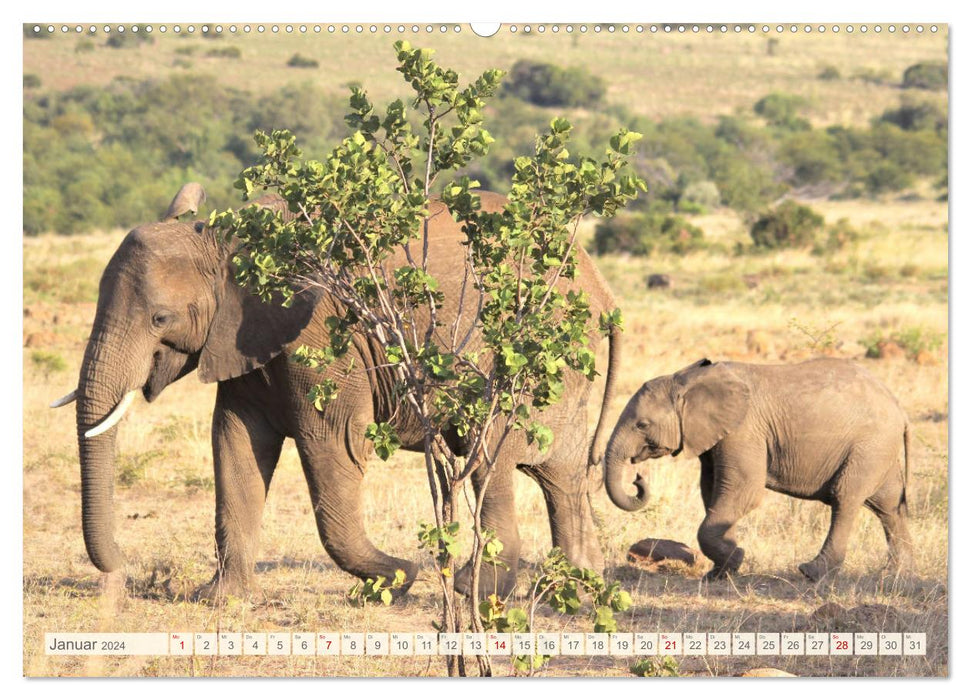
x: 714, y: 402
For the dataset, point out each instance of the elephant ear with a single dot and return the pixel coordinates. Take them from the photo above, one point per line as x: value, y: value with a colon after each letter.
x: 246, y: 333
x: 188, y: 200
x: 714, y: 402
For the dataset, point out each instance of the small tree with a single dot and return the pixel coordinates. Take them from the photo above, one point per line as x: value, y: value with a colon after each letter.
x: 790, y: 225
x: 357, y: 230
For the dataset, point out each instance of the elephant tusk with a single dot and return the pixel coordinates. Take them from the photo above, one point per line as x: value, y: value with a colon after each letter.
x: 65, y: 400
x: 113, y: 417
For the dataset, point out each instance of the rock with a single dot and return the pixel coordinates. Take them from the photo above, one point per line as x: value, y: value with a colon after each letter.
x: 650, y: 552
x: 925, y: 359
x: 658, y: 281
x: 766, y: 673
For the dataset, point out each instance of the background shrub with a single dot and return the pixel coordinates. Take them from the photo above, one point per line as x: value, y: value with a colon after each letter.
x: 645, y: 233
x: 299, y: 61
x: 916, y: 116
x: 782, y: 110
x: 227, y: 52
x: 703, y: 194
x: 829, y: 73
x: 927, y: 76
x: 790, y: 225
x: 129, y: 39
x: 547, y: 85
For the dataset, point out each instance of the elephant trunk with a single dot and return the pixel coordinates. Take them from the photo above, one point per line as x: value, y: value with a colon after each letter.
x: 98, y: 396
x: 616, y: 479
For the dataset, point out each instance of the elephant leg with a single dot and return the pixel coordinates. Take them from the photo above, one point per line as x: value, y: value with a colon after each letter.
x: 335, y: 480
x: 733, y: 494
x: 707, y: 479
x: 830, y: 557
x: 246, y: 450
x: 888, y: 505
x: 498, y: 514
x: 572, y: 525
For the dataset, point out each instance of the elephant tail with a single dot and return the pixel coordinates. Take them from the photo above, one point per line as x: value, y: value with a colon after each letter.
x: 907, y: 452
x: 598, y: 445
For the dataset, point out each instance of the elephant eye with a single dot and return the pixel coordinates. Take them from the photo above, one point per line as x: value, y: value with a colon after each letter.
x: 160, y: 319
x: 642, y: 424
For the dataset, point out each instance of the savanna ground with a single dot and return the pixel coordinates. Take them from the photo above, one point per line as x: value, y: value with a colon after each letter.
x: 773, y: 307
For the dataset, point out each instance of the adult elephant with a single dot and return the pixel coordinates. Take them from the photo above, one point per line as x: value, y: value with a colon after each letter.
x: 168, y: 303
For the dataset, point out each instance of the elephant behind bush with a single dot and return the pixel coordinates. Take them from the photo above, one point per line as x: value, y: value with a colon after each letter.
x: 169, y: 304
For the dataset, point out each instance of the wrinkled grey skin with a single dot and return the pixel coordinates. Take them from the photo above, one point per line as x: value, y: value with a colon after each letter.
x: 824, y: 430
x: 168, y: 304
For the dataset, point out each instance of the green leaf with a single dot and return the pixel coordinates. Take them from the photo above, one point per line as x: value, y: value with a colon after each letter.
x: 604, y: 620
x: 539, y: 434
x: 385, y: 439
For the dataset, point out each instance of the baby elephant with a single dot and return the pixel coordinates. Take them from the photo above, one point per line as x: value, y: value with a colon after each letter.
x: 825, y: 430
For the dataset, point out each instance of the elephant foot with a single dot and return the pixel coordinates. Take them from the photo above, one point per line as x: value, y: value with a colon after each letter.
x: 491, y: 580
x: 817, y: 569
x: 728, y: 567
x: 219, y: 590
x: 719, y: 573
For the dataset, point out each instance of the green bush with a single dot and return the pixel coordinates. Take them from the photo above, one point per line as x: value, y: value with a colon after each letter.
x: 31, y: 81
x: 887, y: 177
x: 747, y: 183
x: 84, y: 46
x: 790, y: 225
x: 129, y: 39
x: 913, y: 340
x: 226, y: 52
x: 916, y: 116
x: 927, y: 76
x: 703, y: 194
x: 298, y: 61
x: 782, y: 110
x: 813, y: 157
x: 547, y: 85
x: 643, y: 234
x: 829, y: 73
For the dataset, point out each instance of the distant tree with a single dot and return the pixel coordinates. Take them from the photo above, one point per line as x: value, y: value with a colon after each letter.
x: 790, y: 225
x: 548, y: 85
x: 927, y: 76
x: 782, y: 110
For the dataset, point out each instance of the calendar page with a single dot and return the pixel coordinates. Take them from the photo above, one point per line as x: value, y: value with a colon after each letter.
x: 548, y: 349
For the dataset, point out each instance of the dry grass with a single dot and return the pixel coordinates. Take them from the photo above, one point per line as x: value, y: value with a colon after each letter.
x: 164, y: 497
